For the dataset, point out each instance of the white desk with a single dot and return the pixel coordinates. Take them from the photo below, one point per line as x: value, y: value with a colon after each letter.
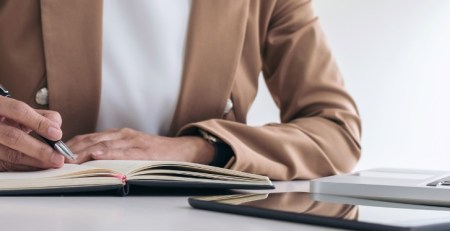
x: 83, y: 213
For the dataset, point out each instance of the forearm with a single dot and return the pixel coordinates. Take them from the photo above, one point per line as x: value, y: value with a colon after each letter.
x: 304, y: 148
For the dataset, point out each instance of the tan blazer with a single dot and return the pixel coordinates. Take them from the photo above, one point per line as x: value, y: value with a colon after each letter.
x: 57, y: 44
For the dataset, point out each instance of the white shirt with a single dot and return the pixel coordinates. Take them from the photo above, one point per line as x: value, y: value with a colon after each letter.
x: 142, y: 62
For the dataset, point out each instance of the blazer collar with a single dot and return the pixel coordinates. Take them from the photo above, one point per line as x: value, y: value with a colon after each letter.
x: 72, y: 32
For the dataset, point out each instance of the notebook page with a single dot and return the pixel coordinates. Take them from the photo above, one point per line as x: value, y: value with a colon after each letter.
x: 121, y: 166
x: 67, y: 169
x: 133, y: 168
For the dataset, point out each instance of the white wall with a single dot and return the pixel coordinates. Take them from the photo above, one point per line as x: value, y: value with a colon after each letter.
x: 395, y: 58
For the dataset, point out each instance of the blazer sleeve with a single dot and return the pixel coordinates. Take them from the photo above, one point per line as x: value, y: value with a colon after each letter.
x: 320, y: 129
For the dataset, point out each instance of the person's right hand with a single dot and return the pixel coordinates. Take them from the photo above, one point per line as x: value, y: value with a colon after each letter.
x: 19, y: 151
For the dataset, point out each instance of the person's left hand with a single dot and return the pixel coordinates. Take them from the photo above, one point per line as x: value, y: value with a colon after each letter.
x: 128, y: 144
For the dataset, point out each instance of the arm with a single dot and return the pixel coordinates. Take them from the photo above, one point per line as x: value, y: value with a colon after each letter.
x: 319, y: 132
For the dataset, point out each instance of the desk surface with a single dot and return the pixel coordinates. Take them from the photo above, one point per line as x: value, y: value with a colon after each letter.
x: 131, y: 213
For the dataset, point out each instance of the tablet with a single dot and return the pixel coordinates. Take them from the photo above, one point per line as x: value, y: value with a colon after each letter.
x: 332, y: 211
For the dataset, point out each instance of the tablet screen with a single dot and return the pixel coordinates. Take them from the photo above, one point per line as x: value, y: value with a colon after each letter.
x: 330, y: 211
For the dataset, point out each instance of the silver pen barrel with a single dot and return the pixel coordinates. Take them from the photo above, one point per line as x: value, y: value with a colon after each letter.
x: 63, y: 149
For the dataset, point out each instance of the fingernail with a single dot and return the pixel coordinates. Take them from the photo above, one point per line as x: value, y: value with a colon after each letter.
x: 54, y: 133
x: 57, y: 159
x: 98, y: 153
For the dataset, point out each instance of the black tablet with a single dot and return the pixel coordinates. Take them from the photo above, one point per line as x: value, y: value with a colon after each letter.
x: 333, y: 211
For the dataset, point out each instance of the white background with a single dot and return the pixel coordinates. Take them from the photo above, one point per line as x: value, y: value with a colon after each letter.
x: 395, y: 58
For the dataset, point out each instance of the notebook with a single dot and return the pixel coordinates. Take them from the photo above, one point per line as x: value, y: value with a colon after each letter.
x: 120, y: 174
x: 388, y: 184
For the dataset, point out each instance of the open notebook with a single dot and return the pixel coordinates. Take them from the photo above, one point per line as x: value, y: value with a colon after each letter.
x: 120, y: 174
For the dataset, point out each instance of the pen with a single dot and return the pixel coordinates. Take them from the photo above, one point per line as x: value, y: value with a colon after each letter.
x: 58, y: 145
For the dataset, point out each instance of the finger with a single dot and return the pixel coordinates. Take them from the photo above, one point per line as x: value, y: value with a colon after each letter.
x: 80, y: 143
x: 105, y: 146
x: 83, y: 145
x: 22, y: 142
x: 9, y: 167
x: 120, y: 154
x: 10, y: 122
x: 81, y: 158
x: 13, y: 123
x: 28, y: 117
x: 15, y: 157
x: 51, y: 115
x: 25, y: 129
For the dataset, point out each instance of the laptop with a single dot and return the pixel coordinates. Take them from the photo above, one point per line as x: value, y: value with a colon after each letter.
x: 397, y: 185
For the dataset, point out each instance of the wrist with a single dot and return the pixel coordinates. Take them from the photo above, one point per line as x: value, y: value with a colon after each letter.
x: 201, y: 151
x: 222, y: 151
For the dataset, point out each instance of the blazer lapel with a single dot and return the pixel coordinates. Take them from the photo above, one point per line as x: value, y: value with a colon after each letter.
x: 213, y: 48
x: 72, y: 33
x: 72, y: 42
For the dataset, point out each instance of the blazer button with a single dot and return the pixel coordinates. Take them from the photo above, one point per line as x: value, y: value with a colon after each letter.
x: 228, y: 107
x: 42, y: 96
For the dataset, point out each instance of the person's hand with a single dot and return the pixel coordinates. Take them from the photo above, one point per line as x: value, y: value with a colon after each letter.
x: 128, y: 144
x: 19, y: 151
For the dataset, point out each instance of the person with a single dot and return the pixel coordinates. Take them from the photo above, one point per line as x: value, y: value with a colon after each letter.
x: 173, y: 82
